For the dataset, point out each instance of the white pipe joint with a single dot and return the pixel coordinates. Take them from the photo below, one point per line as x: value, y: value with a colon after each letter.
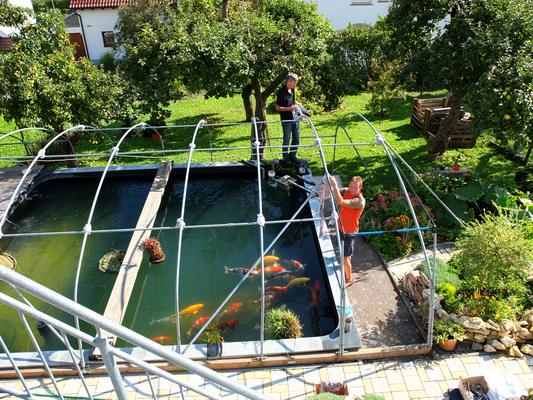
x: 180, y: 223
x: 318, y: 141
x: 41, y: 153
x: 114, y: 150
x: 380, y: 139
x: 334, y: 217
x: 192, y: 146
x: 201, y: 124
x: 261, y: 219
x: 255, y: 119
x: 256, y: 143
x: 87, y: 229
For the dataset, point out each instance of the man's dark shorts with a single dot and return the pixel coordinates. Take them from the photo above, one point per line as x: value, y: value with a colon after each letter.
x: 348, y: 244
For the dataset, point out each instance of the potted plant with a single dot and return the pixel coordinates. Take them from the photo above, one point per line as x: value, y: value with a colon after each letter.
x: 152, y: 246
x: 214, y: 342
x: 446, y: 333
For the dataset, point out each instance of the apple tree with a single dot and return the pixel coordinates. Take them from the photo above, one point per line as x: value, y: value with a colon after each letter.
x: 458, y: 42
x: 42, y: 85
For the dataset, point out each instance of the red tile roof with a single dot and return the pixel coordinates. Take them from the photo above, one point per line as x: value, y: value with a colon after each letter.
x: 80, y: 4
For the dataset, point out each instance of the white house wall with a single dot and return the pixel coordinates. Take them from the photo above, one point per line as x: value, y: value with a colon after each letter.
x: 94, y: 23
x: 5, y: 31
x: 344, y: 12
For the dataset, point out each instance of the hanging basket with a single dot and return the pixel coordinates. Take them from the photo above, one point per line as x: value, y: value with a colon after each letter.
x: 110, y: 263
x: 155, y: 261
x: 8, y: 260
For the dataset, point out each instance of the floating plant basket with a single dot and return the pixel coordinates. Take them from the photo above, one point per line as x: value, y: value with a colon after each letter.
x: 8, y: 260
x: 110, y: 263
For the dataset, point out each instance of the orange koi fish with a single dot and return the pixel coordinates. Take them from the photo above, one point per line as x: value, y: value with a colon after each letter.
x: 298, y: 265
x: 267, y: 299
x: 275, y: 289
x: 160, y: 339
x: 297, y: 281
x: 191, y: 310
x: 199, y: 323
x: 233, y: 307
x: 275, y: 269
x: 229, y: 324
x: 315, y: 295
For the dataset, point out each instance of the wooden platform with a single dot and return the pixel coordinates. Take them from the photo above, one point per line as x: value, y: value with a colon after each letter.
x: 9, y: 179
x: 119, y: 298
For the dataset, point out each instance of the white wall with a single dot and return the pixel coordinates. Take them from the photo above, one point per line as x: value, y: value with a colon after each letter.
x: 94, y: 23
x: 343, y: 12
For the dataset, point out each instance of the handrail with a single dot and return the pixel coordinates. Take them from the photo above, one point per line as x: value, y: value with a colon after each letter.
x: 93, y: 318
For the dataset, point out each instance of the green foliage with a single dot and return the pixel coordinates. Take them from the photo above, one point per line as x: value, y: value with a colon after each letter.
x: 43, y: 86
x: 326, y: 396
x: 384, y: 88
x: 498, y: 272
x: 107, y: 62
x: 445, y: 329
x: 442, y: 274
x: 213, y: 335
x: 372, y: 397
x: 495, y: 307
x: 470, y: 48
x: 283, y: 324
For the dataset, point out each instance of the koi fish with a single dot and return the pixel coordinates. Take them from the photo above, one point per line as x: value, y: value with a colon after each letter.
x: 296, y: 264
x: 275, y: 269
x: 238, y: 271
x: 198, y: 322
x: 191, y: 310
x: 160, y: 339
x: 274, y: 289
x: 315, y: 295
x: 267, y: 298
x: 268, y: 260
x: 297, y: 281
x: 318, y: 288
x: 233, y: 307
x: 279, y: 275
x: 172, y: 318
x: 229, y: 324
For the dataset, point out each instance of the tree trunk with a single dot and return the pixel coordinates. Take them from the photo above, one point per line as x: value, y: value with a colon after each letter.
x: 260, y: 113
x: 248, y: 102
x: 526, y: 158
x: 67, y: 148
x: 442, y: 138
x: 225, y: 5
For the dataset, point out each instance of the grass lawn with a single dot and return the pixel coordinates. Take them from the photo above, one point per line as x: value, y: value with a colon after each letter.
x: 485, y: 160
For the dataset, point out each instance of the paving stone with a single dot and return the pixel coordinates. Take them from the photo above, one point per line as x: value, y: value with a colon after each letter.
x: 398, y: 387
x: 336, y: 374
x: 432, y: 389
x: 380, y: 385
x: 394, y: 376
x: 255, y: 384
x: 414, y: 383
x: 455, y: 364
x: 368, y: 371
x: 513, y: 367
x: 434, y: 373
x: 408, y: 368
x: 401, y: 395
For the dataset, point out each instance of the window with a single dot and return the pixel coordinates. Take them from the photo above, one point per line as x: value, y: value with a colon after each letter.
x: 109, y: 38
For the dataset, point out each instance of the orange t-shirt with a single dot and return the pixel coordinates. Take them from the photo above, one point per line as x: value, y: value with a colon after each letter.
x: 350, y: 215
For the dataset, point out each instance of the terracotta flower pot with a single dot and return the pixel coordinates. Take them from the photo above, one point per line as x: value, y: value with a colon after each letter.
x: 432, y: 156
x: 155, y: 261
x: 156, y: 137
x: 448, y: 345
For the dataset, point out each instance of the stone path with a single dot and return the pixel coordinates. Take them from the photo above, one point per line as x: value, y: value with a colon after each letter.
x: 424, y: 379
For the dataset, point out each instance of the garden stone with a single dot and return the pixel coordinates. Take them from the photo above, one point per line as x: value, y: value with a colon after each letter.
x: 422, y: 278
x: 506, y: 325
x: 497, y: 345
x: 443, y: 314
x: 490, y: 324
x: 489, y: 349
x: 522, y: 323
x: 527, y: 349
x: 527, y: 315
x: 477, y: 346
x: 507, y: 341
x: 525, y: 334
x: 474, y: 324
x: 479, y: 337
x: 515, y: 352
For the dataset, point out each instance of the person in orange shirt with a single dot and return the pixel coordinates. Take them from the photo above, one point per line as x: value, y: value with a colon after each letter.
x: 351, y: 203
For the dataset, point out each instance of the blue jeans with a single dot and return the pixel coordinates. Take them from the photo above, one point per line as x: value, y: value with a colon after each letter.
x: 290, y: 127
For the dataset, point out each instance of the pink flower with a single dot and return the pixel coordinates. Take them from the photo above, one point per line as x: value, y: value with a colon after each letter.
x: 398, y: 199
x: 383, y: 205
x: 376, y: 221
x: 374, y: 203
x: 414, y: 201
x: 373, y: 208
x: 393, y: 193
x: 389, y: 223
x: 431, y: 215
x: 418, y: 219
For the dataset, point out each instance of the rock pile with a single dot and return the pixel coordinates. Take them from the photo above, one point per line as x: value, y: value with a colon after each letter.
x: 489, y: 336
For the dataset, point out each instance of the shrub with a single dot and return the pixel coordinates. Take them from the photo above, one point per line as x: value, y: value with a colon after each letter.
x: 442, y: 273
x: 107, y: 61
x: 283, y: 324
x: 326, y: 396
x: 372, y: 397
x: 494, y: 259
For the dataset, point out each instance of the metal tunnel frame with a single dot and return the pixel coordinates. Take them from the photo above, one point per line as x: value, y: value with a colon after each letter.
x: 15, y: 280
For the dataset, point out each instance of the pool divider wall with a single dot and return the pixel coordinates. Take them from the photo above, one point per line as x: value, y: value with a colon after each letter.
x: 125, y: 282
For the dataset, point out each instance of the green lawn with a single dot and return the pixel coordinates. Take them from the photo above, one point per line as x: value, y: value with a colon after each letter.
x: 484, y: 159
